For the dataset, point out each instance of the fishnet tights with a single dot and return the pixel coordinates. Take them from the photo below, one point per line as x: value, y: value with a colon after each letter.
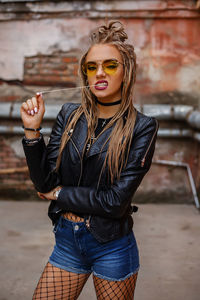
x: 58, y: 284
x: 115, y: 290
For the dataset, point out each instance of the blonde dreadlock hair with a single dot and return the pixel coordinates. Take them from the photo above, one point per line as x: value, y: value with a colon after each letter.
x: 120, y: 140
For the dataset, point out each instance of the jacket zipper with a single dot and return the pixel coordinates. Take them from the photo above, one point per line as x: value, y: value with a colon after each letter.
x: 144, y: 158
x: 87, y: 221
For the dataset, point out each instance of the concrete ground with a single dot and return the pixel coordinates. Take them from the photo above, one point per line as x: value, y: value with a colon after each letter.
x: 168, y: 238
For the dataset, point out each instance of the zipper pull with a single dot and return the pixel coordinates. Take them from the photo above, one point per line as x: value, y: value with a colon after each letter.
x: 87, y: 223
x: 142, y: 162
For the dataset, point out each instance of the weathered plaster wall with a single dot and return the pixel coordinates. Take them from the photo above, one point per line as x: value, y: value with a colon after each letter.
x: 165, y: 35
x: 21, y: 39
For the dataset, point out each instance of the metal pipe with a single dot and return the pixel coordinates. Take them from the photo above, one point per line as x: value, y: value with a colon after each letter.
x: 51, y: 111
x: 166, y: 132
x: 173, y: 112
x: 178, y: 133
x: 166, y: 111
x: 194, y: 119
x: 191, y: 180
x: 6, y: 129
x: 160, y: 111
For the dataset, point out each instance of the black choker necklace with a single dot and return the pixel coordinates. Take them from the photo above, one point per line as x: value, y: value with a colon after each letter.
x: 108, y: 103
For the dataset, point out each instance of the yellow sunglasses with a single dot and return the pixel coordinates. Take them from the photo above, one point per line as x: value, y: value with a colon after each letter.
x: 109, y: 66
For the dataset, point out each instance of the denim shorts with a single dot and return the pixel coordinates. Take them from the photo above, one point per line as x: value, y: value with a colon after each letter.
x: 76, y: 250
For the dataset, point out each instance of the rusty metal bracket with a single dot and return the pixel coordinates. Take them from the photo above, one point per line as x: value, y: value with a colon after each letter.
x: 191, y: 180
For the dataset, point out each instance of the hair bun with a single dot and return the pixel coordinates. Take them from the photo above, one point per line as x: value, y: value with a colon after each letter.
x: 113, y: 31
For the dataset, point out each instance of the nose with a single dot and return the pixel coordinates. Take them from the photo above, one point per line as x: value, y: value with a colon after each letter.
x: 100, y: 71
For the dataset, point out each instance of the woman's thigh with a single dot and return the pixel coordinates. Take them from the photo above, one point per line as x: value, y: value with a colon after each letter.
x: 56, y: 283
x: 115, y: 290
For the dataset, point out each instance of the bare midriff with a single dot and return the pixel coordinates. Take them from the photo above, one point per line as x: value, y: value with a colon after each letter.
x: 72, y: 217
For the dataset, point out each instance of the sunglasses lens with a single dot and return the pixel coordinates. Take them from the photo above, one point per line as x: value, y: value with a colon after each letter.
x: 90, y: 69
x: 110, y: 66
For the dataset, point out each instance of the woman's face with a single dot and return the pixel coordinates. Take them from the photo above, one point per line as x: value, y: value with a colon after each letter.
x: 106, y: 81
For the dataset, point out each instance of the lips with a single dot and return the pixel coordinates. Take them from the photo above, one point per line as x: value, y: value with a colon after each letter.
x: 101, y: 85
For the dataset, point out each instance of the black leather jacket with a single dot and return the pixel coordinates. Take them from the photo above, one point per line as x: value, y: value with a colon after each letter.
x: 86, y: 190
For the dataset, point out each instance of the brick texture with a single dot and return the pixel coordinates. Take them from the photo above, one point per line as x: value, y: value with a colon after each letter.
x: 8, y: 159
x: 57, y: 69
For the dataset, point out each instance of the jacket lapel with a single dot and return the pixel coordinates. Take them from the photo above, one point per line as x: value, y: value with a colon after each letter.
x: 79, y: 136
x: 99, y: 145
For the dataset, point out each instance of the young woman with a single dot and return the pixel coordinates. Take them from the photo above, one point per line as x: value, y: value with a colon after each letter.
x: 96, y: 158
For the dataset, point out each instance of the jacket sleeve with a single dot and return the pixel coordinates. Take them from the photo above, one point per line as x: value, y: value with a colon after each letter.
x: 41, y: 159
x: 114, y: 200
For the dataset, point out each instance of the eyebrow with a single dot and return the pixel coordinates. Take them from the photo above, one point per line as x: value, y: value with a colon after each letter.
x: 93, y: 61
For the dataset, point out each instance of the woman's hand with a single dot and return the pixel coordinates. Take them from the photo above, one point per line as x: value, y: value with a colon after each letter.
x: 50, y: 195
x: 32, y: 112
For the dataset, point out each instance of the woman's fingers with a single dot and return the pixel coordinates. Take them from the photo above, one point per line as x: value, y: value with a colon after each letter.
x: 32, y: 111
x: 35, y: 105
x: 26, y: 108
x: 39, y: 96
x: 40, y: 101
x: 32, y: 106
x: 40, y: 195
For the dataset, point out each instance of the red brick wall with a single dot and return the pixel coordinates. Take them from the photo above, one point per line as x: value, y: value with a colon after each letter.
x: 9, y: 160
x: 60, y: 68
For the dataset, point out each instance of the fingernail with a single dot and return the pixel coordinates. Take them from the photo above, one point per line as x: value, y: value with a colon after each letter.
x: 35, y: 109
x: 39, y: 94
x: 29, y: 112
x: 32, y: 112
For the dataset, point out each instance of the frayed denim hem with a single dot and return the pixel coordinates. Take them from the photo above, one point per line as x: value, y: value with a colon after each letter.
x: 70, y: 269
x: 116, y: 279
